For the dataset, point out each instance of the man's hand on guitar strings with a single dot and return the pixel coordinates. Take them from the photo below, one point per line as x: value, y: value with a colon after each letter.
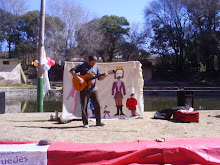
x: 81, y: 80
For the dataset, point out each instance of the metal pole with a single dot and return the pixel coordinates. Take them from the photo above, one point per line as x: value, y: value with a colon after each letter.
x: 40, y: 97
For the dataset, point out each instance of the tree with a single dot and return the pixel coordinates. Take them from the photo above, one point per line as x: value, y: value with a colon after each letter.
x: 129, y: 49
x: 74, y: 17
x: 15, y: 7
x: 90, y: 39
x: 26, y: 45
x: 204, y: 15
x: 186, y: 32
x: 169, y: 20
x: 134, y: 43
x: 12, y: 8
x: 54, y: 39
x: 7, y: 29
x: 113, y: 29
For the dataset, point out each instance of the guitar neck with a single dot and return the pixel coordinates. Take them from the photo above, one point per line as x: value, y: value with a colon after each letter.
x: 100, y: 75
x: 91, y: 78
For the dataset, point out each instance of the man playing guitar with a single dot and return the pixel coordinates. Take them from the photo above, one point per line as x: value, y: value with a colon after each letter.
x: 90, y: 91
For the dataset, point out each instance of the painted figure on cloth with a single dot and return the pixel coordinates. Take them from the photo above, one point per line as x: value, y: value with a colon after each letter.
x: 131, y: 104
x: 91, y: 107
x: 118, y: 90
x: 74, y: 93
x: 106, y: 112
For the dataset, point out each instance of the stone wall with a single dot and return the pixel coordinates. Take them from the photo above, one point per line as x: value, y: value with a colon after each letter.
x: 10, y: 72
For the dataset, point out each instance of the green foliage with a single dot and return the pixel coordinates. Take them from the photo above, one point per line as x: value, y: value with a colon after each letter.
x: 105, y: 37
x: 128, y: 49
x: 185, y: 33
x: 28, y: 28
x: 22, y: 33
x: 7, y: 26
x: 28, y: 25
x: 113, y: 28
x: 204, y: 16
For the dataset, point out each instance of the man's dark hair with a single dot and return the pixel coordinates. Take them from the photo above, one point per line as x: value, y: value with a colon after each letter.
x: 92, y: 58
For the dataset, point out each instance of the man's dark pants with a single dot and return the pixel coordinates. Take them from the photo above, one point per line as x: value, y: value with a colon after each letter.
x: 84, y: 98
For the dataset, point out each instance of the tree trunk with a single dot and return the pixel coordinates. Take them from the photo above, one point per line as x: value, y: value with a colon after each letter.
x: 210, y: 64
x: 219, y: 64
x: 9, y: 49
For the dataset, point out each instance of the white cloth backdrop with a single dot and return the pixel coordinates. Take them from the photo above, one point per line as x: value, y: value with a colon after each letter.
x: 133, y: 81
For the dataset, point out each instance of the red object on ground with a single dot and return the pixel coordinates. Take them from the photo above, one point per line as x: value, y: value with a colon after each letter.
x: 179, y: 151
x: 172, y: 151
x: 186, y: 117
x: 14, y: 142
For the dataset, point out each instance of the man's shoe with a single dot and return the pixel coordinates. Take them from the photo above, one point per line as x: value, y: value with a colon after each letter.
x: 86, y: 126
x: 100, y: 124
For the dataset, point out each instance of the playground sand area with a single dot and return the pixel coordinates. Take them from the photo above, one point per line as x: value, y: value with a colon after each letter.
x: 33, y: 127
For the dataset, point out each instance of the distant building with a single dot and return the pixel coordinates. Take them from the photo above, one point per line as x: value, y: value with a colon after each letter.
x: 75, y: 59
x: 10, y: 72
x: 152, y: 59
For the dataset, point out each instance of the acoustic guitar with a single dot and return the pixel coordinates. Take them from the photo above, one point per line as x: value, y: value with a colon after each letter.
x: 87, y: 80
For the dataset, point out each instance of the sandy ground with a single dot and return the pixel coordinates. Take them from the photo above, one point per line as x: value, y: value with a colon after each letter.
x: 35, y: 126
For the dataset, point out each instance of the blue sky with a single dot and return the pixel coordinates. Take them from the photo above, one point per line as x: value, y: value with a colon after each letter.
x: 132, y: 10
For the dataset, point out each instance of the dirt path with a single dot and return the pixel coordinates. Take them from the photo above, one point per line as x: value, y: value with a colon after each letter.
x: 35, y: 126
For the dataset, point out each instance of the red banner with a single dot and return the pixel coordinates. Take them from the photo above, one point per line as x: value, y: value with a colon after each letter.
x: 171, y: 151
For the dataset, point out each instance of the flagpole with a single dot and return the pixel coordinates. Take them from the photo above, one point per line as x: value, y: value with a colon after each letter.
x: 40, y: 57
